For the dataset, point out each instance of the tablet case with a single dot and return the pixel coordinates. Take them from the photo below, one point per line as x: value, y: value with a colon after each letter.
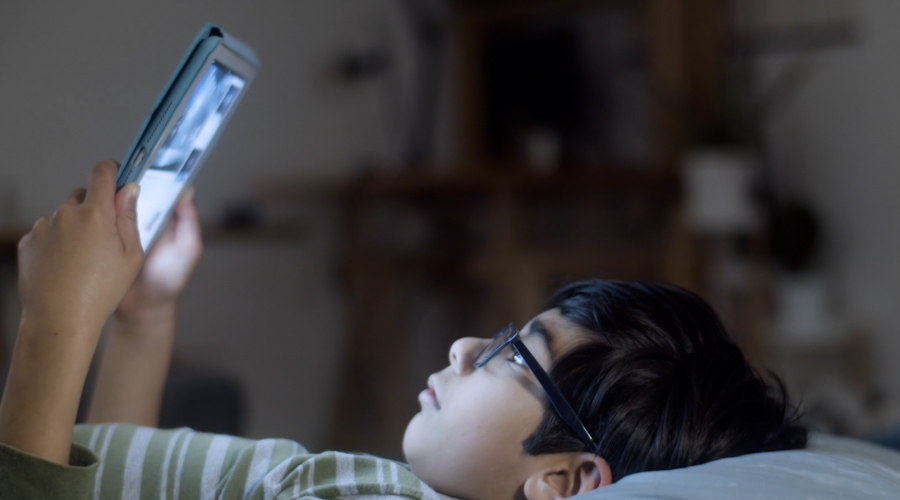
x: 204, y: 43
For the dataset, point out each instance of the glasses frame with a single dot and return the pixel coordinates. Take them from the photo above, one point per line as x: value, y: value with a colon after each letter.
x: 562, y: 407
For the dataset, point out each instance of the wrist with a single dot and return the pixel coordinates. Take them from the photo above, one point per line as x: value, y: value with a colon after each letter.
x: 147, y: 313
x: 37, y: 327
x: 54, y: 348
x: 48, y: 368
x: 144, y: 326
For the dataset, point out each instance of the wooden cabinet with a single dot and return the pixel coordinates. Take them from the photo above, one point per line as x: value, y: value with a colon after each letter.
x: 430, y: 257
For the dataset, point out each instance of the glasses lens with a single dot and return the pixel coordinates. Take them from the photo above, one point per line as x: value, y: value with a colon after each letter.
x: 501, y: 340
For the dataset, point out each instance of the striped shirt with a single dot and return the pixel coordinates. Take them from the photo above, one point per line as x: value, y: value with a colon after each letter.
x: 132, y: 462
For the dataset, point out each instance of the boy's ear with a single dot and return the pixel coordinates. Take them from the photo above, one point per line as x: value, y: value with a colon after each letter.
x: 583, y: 472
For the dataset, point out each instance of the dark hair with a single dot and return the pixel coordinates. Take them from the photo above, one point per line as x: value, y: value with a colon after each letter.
x: 660, y: 385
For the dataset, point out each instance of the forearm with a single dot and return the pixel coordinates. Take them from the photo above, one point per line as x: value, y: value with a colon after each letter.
x: 133, y: 368
x: 73, y: 268
x: 46, y: 377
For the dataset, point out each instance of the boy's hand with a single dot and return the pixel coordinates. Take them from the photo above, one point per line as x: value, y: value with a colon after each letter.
x: 135, y: 361
x: 75, y: 266
x: 169, y: 265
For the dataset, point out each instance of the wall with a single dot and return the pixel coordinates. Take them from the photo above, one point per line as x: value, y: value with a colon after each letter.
x: 837, y: 143
x: 76, y: 80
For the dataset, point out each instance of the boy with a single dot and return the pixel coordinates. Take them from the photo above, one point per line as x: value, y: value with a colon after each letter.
x: 613, y: 378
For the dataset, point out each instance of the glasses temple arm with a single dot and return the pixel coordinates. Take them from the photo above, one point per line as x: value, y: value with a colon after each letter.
x: 562, y: 407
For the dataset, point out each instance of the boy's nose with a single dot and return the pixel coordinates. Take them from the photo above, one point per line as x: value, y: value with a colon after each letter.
x: 463, y: 352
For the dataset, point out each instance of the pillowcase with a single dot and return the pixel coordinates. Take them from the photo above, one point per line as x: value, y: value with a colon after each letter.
x: 830, y: 468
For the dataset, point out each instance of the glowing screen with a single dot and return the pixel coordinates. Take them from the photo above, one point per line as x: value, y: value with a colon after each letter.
x: 179, y: 153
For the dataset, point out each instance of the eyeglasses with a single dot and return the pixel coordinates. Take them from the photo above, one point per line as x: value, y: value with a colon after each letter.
x: 510, y: 336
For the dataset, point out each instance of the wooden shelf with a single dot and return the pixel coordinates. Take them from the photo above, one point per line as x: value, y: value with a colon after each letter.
x: 262, y: 233
x: 515, y: 10
x: 414, y: 183
x: 9, y: 238
x: 483, y: 242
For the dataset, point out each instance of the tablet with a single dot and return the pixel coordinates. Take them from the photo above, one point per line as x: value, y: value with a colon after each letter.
x: 184, y: 125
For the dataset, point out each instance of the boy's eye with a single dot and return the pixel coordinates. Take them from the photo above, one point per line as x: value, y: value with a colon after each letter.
x: 518, y: 359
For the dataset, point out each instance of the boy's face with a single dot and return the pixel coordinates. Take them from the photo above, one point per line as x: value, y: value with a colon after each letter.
x: 467, y: 440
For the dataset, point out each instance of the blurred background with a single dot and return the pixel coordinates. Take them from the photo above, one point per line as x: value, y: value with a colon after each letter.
x: 406, y: 172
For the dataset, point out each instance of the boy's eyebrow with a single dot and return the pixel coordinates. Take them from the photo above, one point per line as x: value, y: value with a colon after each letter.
x: 538, y: 328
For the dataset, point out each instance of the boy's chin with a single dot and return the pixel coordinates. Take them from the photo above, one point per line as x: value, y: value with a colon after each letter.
x: 409, y: 438
x: 415, y: 440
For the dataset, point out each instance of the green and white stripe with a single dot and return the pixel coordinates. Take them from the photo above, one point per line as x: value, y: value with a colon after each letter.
x: 180, y: 464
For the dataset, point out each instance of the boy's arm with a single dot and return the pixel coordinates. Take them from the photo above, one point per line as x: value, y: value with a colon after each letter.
x: 135, y: 361
x: 133, y: 369
x: 74, y: 267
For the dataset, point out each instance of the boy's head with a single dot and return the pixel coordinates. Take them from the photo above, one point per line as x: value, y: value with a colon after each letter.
x: 648, y: 369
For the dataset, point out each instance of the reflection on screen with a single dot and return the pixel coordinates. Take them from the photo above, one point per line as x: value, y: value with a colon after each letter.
x: 176, y: 158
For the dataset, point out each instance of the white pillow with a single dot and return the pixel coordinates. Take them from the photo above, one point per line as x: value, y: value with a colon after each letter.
x: 829, y: 468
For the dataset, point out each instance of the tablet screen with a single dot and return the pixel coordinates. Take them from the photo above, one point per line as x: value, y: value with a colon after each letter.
x: 180, y: 151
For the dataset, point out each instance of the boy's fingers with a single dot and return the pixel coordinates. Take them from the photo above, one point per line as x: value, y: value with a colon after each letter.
x: 188, y: 218
x: 126, y: 216
x: 185, y: 210
x: 186, y: 207
x: 102, y: 182
x: 186, y: 200
x: 169, y: 232
x: 77, y: 196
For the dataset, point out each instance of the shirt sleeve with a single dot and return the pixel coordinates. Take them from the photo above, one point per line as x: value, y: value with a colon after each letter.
x: 139, y: 462
x: 336, y: 475
x: 25, y: 476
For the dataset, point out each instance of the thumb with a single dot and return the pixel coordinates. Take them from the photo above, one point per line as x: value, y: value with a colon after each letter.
x: 126, y: 216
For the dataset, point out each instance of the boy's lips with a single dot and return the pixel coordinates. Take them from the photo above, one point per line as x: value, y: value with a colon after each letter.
x: 429, y: 395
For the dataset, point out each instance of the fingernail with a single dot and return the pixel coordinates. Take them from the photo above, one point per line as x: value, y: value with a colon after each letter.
x: 135, y: 191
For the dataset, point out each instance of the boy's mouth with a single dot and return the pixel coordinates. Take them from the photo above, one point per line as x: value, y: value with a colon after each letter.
x: 429, y: 395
